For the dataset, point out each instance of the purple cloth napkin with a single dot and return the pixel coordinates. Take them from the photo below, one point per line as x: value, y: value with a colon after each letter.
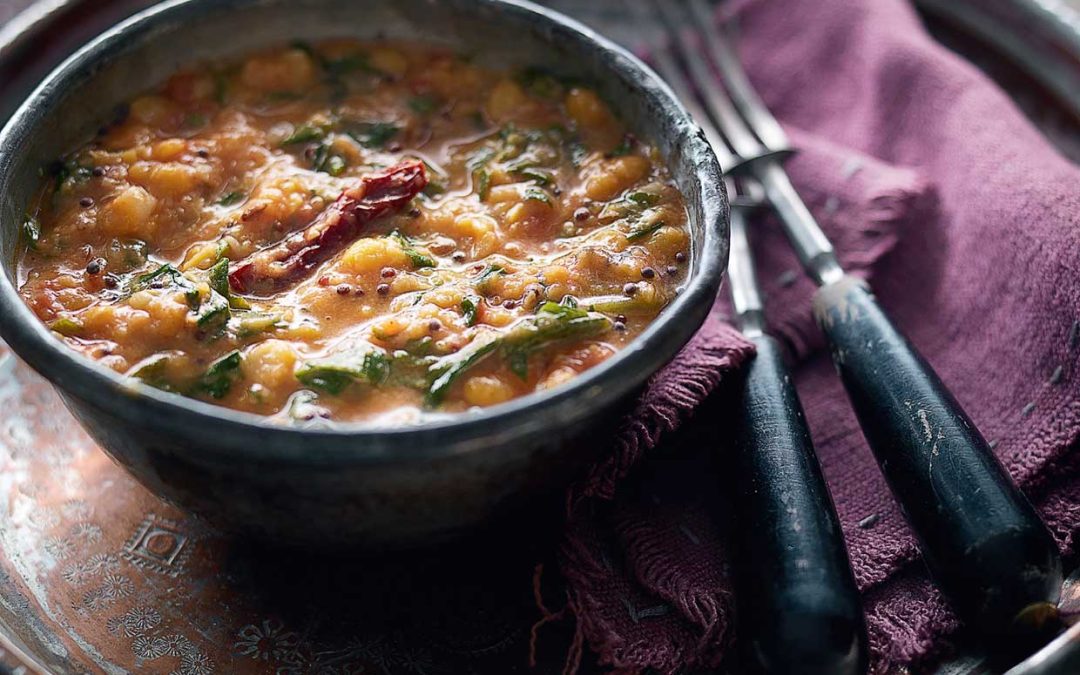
x: 932, y: 185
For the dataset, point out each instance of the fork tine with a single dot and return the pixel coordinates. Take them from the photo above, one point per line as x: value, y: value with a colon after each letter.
x: 737, y: 84
x: 738, y: 134
x: 672, y: 74
x: 746, y: 296
x: 805, y: 235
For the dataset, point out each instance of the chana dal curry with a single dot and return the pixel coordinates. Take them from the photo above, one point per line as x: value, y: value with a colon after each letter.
x: 355, y: 231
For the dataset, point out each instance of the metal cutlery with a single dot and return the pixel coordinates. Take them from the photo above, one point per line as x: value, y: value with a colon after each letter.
x: 981, y: 539
x: 805, y: 615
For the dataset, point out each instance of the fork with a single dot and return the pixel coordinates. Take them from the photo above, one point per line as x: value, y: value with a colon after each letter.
x: 980, y: 538
x: 806, y: 615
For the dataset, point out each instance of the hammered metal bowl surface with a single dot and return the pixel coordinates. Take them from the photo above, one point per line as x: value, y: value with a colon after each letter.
x: 98, y: 575
x: 351, y: 483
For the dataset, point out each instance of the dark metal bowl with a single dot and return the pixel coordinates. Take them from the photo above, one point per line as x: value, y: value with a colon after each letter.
x: 351, y: 483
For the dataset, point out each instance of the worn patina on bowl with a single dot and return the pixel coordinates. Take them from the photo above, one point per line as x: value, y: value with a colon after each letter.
x: 351, y: 483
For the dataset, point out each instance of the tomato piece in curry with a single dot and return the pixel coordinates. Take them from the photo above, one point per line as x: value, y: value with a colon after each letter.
x: 356, y: 232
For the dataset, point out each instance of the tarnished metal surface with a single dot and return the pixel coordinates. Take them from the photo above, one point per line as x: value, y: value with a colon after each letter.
x: 96, y: 575
x: 1056, y: 52
x: 88, y: 556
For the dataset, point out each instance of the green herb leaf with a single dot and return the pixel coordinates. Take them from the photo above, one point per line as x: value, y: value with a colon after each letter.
x: 541, y: 83
x: 423, y: 104
x: 31, y: 230
x: 166, y: 274
x: 483, y: 184
x: 218, y: 278
x: 328, y: 379
x: 152, y: 371
x: 335, y: 373
x: 553, y: 322
x: 450, y: 368
x: 470, y: 306
x: 477, y: 164
x: 625, y: 147
x: 168, y: 277
x: 518, y: 362
x: 541, y: 177
x: 433, y: 189
x: 305, y: 133
x: 335, y: 166
x: 221, y: 88
x: 70, y: 170
x: 66, y: 326
x: 247, y: 324
x: 636, y: 210
x: 578, y: 152
x: 483, y: 282
x: 479, y: 159
x: 232, y: 198
x: 322, y: 153
x: 213, y: 314
x: 220, y: 376
x: 348, y: 64
x: 419, y: 347
x: 644, y: 199
x: 537, y: 195
x: 411, y: 370
x: 124, y: 255
x: 327, y: 161
x: 373, y: 134
x: 418, y: 259
x: 640, y: 303
x: 643, y: 232
x: 516, y: 142
x: 568, y: 309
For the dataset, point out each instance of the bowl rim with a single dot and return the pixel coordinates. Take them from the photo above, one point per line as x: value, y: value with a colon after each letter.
x: 211, y: 427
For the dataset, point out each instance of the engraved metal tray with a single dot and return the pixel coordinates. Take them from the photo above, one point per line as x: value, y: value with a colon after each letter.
x: 97, y: 575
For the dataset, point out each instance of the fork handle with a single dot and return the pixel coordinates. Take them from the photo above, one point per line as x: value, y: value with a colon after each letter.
x: 802, y: 612
x: 981, y: 539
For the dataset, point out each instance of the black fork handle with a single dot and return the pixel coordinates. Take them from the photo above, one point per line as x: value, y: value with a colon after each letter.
x: 982, y: 541
x: 800, y: 611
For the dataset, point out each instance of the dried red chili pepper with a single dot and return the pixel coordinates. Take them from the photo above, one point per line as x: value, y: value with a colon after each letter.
x: 377, y: 195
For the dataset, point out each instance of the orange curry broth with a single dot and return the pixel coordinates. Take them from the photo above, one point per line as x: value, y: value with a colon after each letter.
x: 546, y: 237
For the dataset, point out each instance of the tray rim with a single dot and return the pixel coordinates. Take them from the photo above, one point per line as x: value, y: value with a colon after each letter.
x: 1052, y: 61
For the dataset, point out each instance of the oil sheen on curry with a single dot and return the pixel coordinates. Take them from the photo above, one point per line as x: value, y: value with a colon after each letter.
x: 356, y: 232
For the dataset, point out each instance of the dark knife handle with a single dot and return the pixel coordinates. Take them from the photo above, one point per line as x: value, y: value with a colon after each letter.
x: 981, y: 539
x: 799, y: 609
